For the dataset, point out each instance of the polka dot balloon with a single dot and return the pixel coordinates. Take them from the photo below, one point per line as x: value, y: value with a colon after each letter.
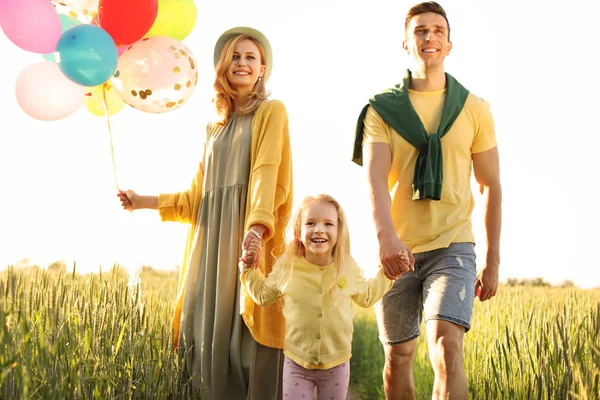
x: 83, y: 10
x: 156, y: 75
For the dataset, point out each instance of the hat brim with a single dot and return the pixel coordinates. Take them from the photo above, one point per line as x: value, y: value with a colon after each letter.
x: 244, y: 30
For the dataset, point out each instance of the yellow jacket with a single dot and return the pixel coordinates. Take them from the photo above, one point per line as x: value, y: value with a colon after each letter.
x: 319, y: 328
x: 269, y: 203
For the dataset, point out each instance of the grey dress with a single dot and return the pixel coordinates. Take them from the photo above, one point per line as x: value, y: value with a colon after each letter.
x: 226, y: 362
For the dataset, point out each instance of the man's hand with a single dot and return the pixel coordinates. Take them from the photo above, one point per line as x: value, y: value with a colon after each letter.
x: 486, y: 284
x: 396, y: 257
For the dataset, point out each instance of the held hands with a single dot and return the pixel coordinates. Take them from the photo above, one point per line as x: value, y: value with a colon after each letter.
x: 129, y: 199
x: 251, y: 250
x: 404, y: 260
x: 396, y: 257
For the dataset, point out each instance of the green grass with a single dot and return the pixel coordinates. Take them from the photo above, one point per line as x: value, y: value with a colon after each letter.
x: 83, y: 337
x: 527, y: 343
x: 67, y: 336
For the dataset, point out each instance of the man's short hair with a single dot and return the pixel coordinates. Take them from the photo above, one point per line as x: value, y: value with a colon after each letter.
x: 426, y: 7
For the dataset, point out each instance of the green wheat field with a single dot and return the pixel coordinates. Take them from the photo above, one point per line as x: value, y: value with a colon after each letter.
x: 70, y: 336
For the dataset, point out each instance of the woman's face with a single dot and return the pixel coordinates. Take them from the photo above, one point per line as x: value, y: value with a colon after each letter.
x: 245, y: 67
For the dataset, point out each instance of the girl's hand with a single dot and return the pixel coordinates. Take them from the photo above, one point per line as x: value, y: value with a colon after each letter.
x: 405, y: 258
x: 251, y: 254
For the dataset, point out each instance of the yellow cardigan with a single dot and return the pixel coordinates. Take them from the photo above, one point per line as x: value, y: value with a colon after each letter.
x: 269, y: 203
x: 319, y: 328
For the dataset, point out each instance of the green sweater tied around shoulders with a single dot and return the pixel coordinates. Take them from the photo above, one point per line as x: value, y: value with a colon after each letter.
x: 394, y: 107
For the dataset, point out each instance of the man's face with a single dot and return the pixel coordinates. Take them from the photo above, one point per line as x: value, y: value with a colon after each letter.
x: 427, y: 40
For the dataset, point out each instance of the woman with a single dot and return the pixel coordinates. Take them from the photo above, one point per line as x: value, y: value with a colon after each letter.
x: 243, y: 189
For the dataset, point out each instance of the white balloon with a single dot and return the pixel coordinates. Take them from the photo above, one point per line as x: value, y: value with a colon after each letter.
x: 43, y: 92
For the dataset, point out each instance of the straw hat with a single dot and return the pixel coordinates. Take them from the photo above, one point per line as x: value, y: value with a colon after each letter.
x: 244, y: 30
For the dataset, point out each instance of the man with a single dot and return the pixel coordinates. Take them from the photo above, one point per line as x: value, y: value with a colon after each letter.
x: 421, y: 140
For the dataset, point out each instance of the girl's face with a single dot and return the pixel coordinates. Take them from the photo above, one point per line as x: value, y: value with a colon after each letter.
x: 319, y: 232
x: 245, y: 67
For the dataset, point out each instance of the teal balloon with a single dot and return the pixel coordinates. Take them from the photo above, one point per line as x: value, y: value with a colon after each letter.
x: 66, y: 22
x: 87, y: 55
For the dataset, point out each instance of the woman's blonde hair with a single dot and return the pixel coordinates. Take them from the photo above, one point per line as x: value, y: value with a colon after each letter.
x: 295, y: 248
x: 225, y: 94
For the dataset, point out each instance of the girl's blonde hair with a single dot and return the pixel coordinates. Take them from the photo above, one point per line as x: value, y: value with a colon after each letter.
x: 295, y: 247
x: 225, y: 94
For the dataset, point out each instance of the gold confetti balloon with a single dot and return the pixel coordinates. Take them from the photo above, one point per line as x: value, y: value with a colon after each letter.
x: 83, y: 10
x: 156, y: 75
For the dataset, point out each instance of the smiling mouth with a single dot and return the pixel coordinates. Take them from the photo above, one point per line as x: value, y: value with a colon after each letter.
x: 429, y: 51
x: 319, y: 241
x: 241, y: 73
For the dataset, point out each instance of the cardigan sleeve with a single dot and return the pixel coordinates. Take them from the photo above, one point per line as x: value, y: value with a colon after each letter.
x: 271, y: 175
x: 179, y: 206
x: 369, y: 291
x: 264, y: 291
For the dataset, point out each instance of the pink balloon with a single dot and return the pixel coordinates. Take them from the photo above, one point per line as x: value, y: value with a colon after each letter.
x: 33, y: 25
x: 45, y: 93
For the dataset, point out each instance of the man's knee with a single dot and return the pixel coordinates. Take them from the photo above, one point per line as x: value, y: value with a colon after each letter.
x: 400, y: 355
x: 446, y: 345
x: 449, y: 347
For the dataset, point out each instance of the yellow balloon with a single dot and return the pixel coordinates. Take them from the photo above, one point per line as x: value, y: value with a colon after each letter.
x: 175, y: 19
x: 94, y: 100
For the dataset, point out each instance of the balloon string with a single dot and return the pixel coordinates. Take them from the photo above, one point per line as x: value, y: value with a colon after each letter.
x: 135, y: 279
x: 110, y: 136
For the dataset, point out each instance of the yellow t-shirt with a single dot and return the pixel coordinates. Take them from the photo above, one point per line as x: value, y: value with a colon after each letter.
x: 426, y: 225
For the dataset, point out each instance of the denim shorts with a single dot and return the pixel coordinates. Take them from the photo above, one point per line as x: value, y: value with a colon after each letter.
x: 441, y: 287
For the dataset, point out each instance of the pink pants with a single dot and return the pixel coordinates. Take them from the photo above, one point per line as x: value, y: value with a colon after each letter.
x: 299, y: 382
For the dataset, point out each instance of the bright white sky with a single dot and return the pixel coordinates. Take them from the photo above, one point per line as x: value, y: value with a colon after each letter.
x: 530, y: 62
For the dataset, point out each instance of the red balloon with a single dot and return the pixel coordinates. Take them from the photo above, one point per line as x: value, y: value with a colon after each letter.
x: 127, y: 21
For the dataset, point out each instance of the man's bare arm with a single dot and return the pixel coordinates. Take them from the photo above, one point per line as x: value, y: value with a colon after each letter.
x: 378, y: 160
x: 486, y: 166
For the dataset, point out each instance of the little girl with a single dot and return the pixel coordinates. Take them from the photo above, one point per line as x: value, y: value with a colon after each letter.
x: 318, y: 279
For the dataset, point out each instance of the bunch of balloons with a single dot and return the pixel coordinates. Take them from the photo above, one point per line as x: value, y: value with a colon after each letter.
x: 102, y: 53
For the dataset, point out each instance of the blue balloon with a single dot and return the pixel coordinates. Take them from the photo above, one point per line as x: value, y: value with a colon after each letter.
x: 87, y: 55
x: 66, y: 22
